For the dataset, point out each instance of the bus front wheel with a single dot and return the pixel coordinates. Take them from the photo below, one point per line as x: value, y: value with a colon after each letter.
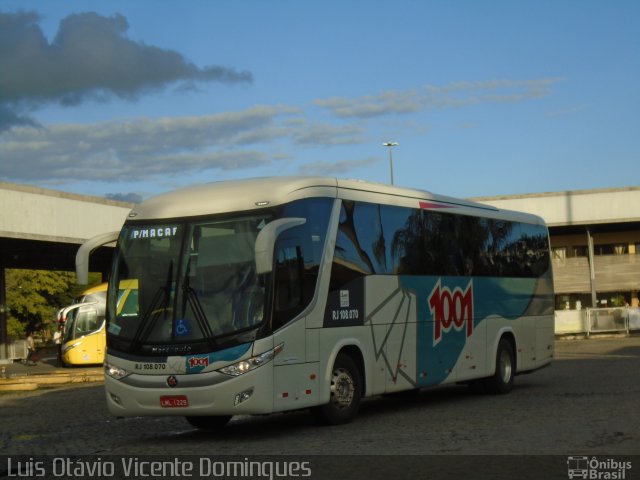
x: 346, y: 391
x: 209, y: 422
x: 502, y: 379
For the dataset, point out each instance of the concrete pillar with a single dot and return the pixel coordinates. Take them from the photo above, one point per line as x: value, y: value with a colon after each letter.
x: 592, y: 270
x: 4, y: 353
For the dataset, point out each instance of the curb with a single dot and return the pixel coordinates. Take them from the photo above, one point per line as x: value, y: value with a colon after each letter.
x: 18, y: 387
x: 13, y: 383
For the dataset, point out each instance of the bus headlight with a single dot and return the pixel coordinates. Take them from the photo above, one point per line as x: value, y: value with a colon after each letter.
x: 252, y: 363
x: 115, y: 372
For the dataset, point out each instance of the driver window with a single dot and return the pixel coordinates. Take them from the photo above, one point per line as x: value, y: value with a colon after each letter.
x: 288, y: 282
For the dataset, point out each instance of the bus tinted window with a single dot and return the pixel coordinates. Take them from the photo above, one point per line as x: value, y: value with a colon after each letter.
x: 383, y: 239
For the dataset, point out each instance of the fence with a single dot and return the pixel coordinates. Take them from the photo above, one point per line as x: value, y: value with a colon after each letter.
x: 17, y: 350
x: 598, y: 320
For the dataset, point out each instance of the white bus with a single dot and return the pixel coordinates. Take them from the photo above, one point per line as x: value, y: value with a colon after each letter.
x: 274, y: 294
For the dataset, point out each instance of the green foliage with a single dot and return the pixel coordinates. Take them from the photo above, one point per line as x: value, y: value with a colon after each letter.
x: 35, y: 296
x: 15, y: 328
x: 618, y: 301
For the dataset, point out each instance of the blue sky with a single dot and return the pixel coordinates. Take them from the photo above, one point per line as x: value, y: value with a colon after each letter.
x: 484, y: 98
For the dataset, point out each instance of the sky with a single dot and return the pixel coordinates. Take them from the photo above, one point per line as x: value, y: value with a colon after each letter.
x: 130, y: 99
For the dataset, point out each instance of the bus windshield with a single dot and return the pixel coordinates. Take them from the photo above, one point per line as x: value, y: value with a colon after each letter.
x: 81, y: 321
x: 196, y: 283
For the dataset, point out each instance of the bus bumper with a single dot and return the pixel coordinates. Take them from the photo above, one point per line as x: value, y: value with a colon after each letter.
x: 210, y: 393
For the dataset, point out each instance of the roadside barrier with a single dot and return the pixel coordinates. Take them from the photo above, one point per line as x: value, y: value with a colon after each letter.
x: 598, y: 320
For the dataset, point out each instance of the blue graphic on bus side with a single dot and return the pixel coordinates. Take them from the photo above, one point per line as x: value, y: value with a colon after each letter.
x: 450, y: 309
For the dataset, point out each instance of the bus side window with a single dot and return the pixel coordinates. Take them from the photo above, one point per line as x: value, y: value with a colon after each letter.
x: 288, y: 283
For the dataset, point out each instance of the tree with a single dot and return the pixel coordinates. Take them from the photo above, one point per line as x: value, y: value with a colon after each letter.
x: 35, y: 296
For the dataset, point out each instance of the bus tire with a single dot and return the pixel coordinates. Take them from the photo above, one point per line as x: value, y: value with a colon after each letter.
x: 346, y: 392
x: 502, y: 379
x: 213, y: 422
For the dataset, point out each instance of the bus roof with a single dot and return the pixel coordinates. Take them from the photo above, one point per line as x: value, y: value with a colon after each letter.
x: 249, y: 194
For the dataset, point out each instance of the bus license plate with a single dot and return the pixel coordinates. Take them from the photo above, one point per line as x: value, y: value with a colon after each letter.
x: 174, y: 401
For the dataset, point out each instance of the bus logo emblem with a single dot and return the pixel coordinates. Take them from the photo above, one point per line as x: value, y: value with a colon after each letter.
x: 198, y: 362
x: 172, y: 381
x: 451, y: 309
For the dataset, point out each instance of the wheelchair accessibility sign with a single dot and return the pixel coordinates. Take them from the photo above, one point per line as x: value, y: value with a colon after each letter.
x: 182, y: 327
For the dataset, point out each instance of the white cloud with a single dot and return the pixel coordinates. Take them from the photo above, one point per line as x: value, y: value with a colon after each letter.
x: 263, y: 137
x: 335, y: 168
x: 140, y: 149
x: 328, y: 135
x: 429, y: 97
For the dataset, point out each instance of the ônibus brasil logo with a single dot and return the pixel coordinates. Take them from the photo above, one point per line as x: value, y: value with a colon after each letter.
x: 451, y: 309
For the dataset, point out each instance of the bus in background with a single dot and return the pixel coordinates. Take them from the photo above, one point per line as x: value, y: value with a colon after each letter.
x: 83, y: 337
x: 274, y: 294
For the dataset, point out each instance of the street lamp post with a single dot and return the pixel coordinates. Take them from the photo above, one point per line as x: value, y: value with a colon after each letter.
x: 390, y: 145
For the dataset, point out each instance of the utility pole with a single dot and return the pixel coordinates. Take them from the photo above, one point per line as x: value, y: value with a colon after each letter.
x: 390, y: 145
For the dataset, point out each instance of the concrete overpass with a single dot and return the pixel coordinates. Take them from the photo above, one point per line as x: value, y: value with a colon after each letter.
x: 42, y: 228
x: 576, y: 208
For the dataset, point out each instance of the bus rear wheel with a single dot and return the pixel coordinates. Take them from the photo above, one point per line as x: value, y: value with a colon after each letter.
x: 346, y: 391
x: 209, y: 422
x: 502, y: 379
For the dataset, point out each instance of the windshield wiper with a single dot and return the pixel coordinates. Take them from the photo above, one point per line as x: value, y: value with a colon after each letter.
x: 194, y: 302
x: 145, y: 327
x: 191, y: 296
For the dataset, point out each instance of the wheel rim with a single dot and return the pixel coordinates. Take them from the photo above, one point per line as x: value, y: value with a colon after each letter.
x: 505, y: 366
x: 342, y: 388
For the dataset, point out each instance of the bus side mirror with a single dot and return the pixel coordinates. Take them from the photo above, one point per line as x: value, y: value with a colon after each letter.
x: 82, y: 257
x: 266, y: 240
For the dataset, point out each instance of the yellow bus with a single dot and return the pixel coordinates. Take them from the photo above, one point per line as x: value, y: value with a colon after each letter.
x: 84, y: 336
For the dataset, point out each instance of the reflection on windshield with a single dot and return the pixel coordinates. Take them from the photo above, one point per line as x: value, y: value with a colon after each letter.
x: 81, y: 321
x: 221, y: 290
x: 146, y: 260
x: 216, y: 293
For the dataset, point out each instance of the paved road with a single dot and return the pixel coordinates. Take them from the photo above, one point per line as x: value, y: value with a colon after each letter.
x: 587, y: 403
